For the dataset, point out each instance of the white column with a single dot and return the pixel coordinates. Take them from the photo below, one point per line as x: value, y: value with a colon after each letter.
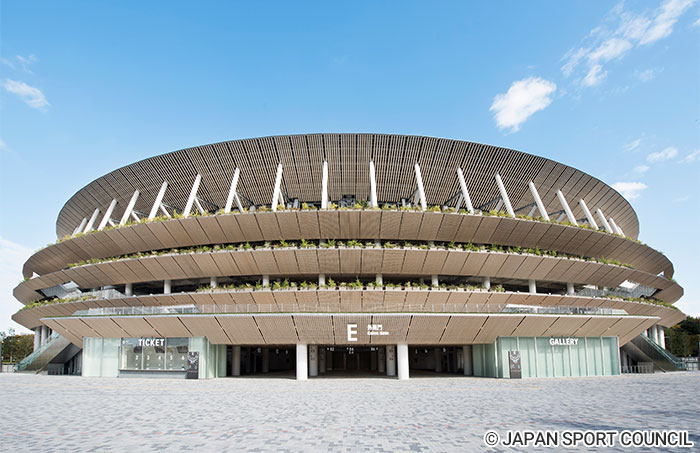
x: 421, y: 189
x: 324, y: 186
x: 372, y: 186
x: 532, y: 286
x: 277, y: 192
x: 44, y: 334
x: 167, y: 286
x: 129, y: 208
x: 616, y: 229
x: 80, y: 227
x: 604, y: 221
x: 37, y: 338
x: 236, y: 361
x: 193, y: 195
x: 321, y: 279
x: 566, y: 207
x: 434, y: 280
x: 381, y: 359
x: 107, y: 215
x: 467, y: 359
x: 129, y: 289
x: 266, y: 280
x: 213, y: 282
x: 390, y: 361
x: 321, y: 360
x: 538, y: 201
x: 504, y: 195
x: 265, y: 360
x: 91, y: 222
x: 645, y: 332
x: 402, y: 359
x: 313, y: 360
x: 465, y: 194
x: 662, y: 336
x: 302, y: 362
x: 487, y: 282
x: 379, y: 279
x: 158, y: 200
x: 232, y: 191
x: 589, y: 216
x: 655, y: 331
x: 437, y: 352
x: 570, y: 289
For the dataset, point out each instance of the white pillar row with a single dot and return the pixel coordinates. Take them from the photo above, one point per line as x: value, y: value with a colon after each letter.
x: 487, y: 282
x: 232, y: 191
x: 321, y: 279
x: 107, y: 215
x: 467, y: 359
x: 37, y: 338
x: 372, y: 186
x: 80, y: 227
x: 381, y: 359
x: 589, y: 216
x: 266, y: 280
x: 538, y: 201
x: 604, y: 221
x: 567, y: 209
x: 277, y: 192
x: 167, y: 286
x: 390, y: 361
x: 324, y: 186
x: 236, y: 361
x: 402, y: 359
x: 379, y: 279
x: 616, y: 229
x: 532, y: 286
x: 662, y: 336
x: 570, y: 289
x: 213, y: 282
x: 129, y: 289
x: 193, y: 195
x: 265, y: 360
x: 465, y: 194
x: 504, y: 195
x: 313, y: 360
x: 302, y: 362
x: 129, y: 208
x: 438, y: 359
x: 321, y: 360
x: 421, y: 189
x: 158, y: 201
x: 434, y: 281
x: 91, y: 222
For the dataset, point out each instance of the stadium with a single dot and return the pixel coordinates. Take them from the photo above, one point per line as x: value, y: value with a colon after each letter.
x: 324, y: 255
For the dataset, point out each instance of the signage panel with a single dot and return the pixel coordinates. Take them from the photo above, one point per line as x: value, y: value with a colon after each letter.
x: 515, y: 365
x: 193, y: 365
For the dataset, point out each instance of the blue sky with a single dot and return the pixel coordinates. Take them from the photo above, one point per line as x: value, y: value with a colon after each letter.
x: 611, y: 89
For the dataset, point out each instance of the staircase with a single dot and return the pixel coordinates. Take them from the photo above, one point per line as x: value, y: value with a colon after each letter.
x: 644, y: 349
x: 40, y: 358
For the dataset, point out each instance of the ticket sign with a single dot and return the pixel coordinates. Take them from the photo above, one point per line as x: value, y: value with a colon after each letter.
x: 515, y: 365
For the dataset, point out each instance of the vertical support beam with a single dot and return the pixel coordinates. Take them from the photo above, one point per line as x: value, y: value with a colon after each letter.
x: 129, y: 208
x: 213, y: 282
x: 159, y: 200
x: 266, y: 280
x: 566, y: 207
x: 321, y: 279
x: 277, y: 192
x: 80, y: 227
x: 91, y: 222
x: 165, y: 211
x: 236, y: 361
x: 381, y: 359
x: 589, y: 216
x: 313, y: 360
x: 321, y: 360
x: 570, y: 289
x: 538, y: 201
x: 602, y: 218
x: 379, y: 279
x: 437, y: 352
x: 465, y: 193
x: 532, y: 286
x: 302, y: 362
x: 434, y: 281
x: 487, y: 283
x: 324, y: 186
x: 616, y: 229
x: 167, y: 286
x: 193, y: 195
x: 662, y: 337
x: 421, y: 189
x: 504, y: 195
x: 232, y: 190
x: 129, y: 289
x: 390, y: 361
x: 37, y: 338
x: 372, y: 186
x: 402, y: 359
x: 44, y: 334
x: 467, y: 359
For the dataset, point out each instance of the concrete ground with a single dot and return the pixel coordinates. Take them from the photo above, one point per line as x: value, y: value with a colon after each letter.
x: 428, y: 413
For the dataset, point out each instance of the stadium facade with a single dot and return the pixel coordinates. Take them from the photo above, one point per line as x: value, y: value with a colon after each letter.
x: 327, y: 254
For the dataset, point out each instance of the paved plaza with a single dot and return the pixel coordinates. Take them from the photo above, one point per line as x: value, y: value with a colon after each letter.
x: 427, y: 413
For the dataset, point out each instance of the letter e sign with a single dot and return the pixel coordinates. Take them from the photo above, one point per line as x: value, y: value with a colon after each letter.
x: 352, y: 332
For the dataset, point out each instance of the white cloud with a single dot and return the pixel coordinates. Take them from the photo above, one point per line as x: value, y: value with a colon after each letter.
x: 646, y: 75
x: 692, y: 157
x: 524, y: 97
x: 666, y: 18
x: 632, y: 146
x: 31, y: 96
x: 666, y: 154
x: 641, y: 169
x: 13, y: 257
x: 594, y: 77
x: 612, y: 48
x: 629, y: 190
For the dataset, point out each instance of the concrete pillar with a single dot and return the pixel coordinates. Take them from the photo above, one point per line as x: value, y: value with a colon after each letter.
x: 656, y: 334
x: 44, y: 334
x: 266, y: 280
x: 313, y: 360
x: 321, y: 279
x: 532, y: 285
x: 379, y: 279
x: 434, y: 280
x: 129, y: 289
x: 213, y: 282
x: 321, y: 360
x: 467, y: 359
x: 646, y: 333
x: 302, y: 362
x: 167, y: 286
x: 662, y: 337
x: 390, y: 361
x: 37, y: 338
x: 381, y: 359
x: 438, y: 359
x: 570, y: 289
x: 402, y: 359
x: 373, y: 360
x: 487, y: 282
x: 265, y: 360
x: 236, y: 361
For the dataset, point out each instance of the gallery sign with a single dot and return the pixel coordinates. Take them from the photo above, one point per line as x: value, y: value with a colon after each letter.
x: 563, y: 341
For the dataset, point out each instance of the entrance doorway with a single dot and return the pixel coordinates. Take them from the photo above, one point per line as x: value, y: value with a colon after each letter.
x: 351, y: 360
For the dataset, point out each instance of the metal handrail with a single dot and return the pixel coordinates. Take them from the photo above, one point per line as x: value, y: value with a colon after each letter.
x: 25, y: 362
x: 678, y: 363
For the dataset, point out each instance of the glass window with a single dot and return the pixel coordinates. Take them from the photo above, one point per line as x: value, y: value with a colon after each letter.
x: 132, y: 354
x: 176, y: 353
x: 154, y: 357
